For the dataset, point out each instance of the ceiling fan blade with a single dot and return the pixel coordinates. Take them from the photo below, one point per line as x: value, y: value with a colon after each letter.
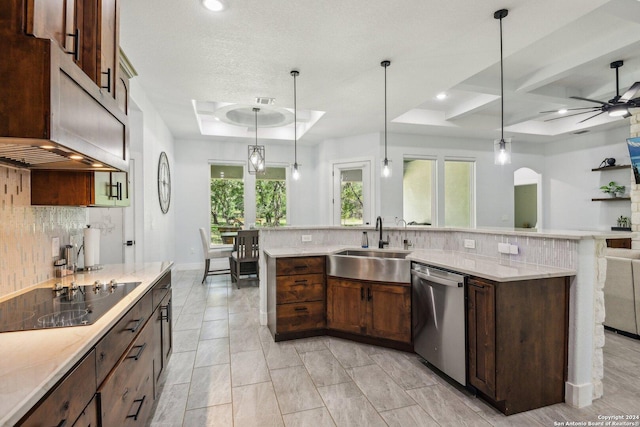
x: 570, y: 109
x: 589, y: 100
x: 575, y: 114
x: 630, y: 93
x: 595, y: 115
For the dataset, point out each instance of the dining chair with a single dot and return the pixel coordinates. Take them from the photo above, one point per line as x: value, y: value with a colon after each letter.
x: 210, y: 253
x: 244, y: 260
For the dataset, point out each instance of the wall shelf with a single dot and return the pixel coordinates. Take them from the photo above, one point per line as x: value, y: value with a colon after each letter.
x: 610, y: 199
x: 610, y: 168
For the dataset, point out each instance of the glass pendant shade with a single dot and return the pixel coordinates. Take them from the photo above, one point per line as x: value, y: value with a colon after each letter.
x: 295, y: 171
x: 386, y: 168
x: 256, y: 159
x: 502, y: 151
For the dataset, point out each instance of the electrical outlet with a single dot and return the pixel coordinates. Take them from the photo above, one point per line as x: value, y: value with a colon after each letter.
x: 193, y: 251
x: 55, y: 247
x: 504, y: 248
x: 306, y: 237
x: 469, y: 243
x: 513, y: 249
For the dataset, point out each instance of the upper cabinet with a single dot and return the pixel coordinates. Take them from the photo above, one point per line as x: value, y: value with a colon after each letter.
x: 61, y: 86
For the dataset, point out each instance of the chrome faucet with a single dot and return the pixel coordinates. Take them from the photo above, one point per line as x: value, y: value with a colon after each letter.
x: 381, y: 243
x: 406, y: 242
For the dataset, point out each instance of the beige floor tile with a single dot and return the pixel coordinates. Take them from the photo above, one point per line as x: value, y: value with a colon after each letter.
x: 210, y: 385
x: 244, y: 320
x: 260, y: 420
x: 348, y: 406
x: 280, y: 355
x: 211, y: 416
x: 188, y: 320
x: 318, y: 417
x: 216, y: 313
x: 350, y: 354
x: 244, y: 340
x: 169, y: 409
x: 383, y: 393
x: 310, y: 344
x: 218, y: 299
x: 405, y: 369
x: 253, y: 400
x: 179, y: 368
x: 214, y: 329
x: 407, y: 417
x: 295, y: 390
x: 324, y: 368
x: 444, y: 407
x: 212, y: 352
x: 249, y: 367
x: 186, y: 340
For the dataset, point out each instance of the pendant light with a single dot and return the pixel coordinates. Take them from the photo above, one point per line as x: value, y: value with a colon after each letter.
x: 295, y: 172
x: 502, y: 146
x: 256, y: 153
x: 386, y: 163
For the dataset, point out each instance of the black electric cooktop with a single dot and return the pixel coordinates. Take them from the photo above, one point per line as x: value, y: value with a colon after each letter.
x: 45, y: 308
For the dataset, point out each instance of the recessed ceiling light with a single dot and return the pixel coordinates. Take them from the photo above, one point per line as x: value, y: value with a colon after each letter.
x: 48, y: 147
x: 213, y: 5
x: 97, y: 165
x: 75, y: 157
x: 562, y: 111
x: 441, y: 96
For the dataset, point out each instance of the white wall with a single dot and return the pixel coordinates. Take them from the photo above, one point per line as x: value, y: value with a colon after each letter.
x: 158, y: 229
x: 192, y: 205
x: 569, y: 184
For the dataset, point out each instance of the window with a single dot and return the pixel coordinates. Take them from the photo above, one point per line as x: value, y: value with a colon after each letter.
x: 271, y: 197
x: 227, y: 202
x: 459, y: 193
x: 418, y: 191
x: 351, y: 201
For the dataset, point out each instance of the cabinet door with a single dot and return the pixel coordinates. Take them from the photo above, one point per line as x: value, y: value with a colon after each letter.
x: 167, y: 340
x: 103, y: 189
x: 120, y: 188
x: 389, y: 312
x: 109, y: 44
x: 89, y: 417
x: 62, y: 188
x: 52, y: 19
x: 482, y: 336
x: 346, y: 305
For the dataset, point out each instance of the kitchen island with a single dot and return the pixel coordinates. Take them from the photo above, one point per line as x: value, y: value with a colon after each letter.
x: 34, y: 361
x: 578, y: 255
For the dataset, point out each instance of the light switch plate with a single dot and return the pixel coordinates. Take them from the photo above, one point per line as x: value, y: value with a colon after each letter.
x: 55, y: 247
x: 504, y: 248
x: 306, y: 237
x: 469, y: 243
x: 513, y: 249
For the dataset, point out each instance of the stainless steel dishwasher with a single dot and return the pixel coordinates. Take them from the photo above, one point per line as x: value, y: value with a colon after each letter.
x: 439, y: 319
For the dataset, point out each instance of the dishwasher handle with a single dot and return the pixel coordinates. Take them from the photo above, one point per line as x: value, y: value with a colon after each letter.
x: 436, y: 279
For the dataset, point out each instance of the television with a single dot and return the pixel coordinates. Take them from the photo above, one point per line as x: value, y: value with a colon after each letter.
x: 633, y: 144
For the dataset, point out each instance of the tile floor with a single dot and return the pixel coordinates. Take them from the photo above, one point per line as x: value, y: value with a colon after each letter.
x: 227, y: 371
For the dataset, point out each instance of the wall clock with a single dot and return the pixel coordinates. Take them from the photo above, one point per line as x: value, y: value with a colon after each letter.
x: 164, y: 183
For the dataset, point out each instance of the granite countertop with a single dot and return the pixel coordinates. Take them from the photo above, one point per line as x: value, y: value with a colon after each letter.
x: 489, y: 268
x: 34, y: 361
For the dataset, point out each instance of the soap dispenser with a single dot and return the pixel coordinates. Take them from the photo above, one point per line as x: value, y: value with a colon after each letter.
x: 365, y: 240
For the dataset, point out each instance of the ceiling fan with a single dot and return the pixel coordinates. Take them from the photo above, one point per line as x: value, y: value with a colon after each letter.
x: 618, y: 106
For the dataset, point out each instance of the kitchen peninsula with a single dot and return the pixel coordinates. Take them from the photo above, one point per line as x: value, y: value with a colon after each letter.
x: 34, y: 361
x: 577, y: 255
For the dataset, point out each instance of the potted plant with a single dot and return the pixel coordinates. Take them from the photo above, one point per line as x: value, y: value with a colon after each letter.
x: 623, y: 221
x: 613, y: 188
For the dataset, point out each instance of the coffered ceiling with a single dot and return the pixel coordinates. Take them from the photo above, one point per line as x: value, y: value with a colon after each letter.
x: 191, y: 61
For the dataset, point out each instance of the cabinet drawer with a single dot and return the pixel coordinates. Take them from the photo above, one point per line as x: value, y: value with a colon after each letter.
x: 89, y: 417
x: 127, y: 393
x: 161, y: 289
x: 69, y: 398
x: 300, y: 265
x: 300, y: 288
x: 110, y: 348
x: 301, y: 316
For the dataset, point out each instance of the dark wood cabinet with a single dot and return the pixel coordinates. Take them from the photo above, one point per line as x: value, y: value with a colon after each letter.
x: 162, y: 328
x: 67, y: 401
x: 296, y: 297
x: 109, y: 45
x: 373, y: 309
x: 89, y: 417
x: 517, y: 339
x: 78, y: 188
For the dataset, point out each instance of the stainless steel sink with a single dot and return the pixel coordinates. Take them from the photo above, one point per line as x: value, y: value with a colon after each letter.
x: 363, y: 264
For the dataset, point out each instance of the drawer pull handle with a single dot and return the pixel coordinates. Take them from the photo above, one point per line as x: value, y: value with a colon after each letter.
x: 166, y: 287
x: 139, y: 323
x: 62, y: 423
x: 369, y: 295
x: 140, y: 350
x: 141, y: 401
x: 108, y: 88
x: 300, y: 309
x: 301, y: 281
x: 76, y: 45
x: 301, y: 267
x: 361, y: 294
x: 166, y: 314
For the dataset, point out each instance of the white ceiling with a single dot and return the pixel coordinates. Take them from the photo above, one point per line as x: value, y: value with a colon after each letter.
x: 552, y: 49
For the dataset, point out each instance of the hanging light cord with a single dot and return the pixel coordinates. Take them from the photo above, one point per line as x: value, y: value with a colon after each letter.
x: 255, y: 110
x: 499, y: 15
x: 295, y: 73
x: 385, y: 64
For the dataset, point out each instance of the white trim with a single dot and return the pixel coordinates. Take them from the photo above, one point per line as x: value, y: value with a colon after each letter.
x: 368, y: 187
